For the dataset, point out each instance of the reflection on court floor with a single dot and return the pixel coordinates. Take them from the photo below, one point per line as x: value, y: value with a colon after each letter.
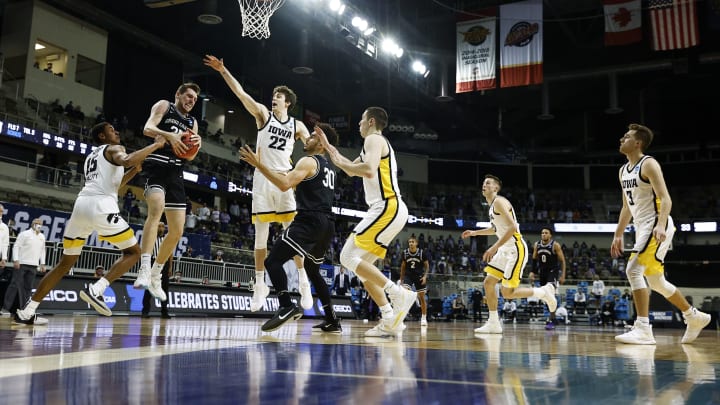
x: 87, y: 359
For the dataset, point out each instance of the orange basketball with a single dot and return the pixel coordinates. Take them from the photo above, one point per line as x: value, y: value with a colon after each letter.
x: 192, y: 147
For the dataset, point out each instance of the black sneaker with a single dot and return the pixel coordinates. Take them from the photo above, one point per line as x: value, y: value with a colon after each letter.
x: 284, y: 314
x: 95, y: 301
x: 20, y: 321
x: 145, y: 315
x: 320, y: 325
x: 165, y: 315
x: 332, y: 327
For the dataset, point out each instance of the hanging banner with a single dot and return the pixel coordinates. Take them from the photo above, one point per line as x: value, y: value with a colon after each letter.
x: 623, y: 22
x: 521, y: 43
x: 476, y: 61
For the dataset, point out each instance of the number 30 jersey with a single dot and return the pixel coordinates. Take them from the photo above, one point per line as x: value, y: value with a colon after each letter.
x: 102, y: 178
x: 275, y: 142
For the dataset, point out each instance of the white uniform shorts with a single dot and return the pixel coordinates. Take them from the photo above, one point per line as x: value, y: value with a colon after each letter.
x: 383, y: 222
x: 649, y: 252
x: 96, y: 213
x: 269, y: 204
x: 509, y: 261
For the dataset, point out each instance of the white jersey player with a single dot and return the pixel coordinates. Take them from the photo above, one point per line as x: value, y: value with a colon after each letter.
x: 96, y: 209
x: 277, y: 132
x: 646, y: 200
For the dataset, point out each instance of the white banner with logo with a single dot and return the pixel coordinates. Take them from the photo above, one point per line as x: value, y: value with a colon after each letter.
x: 476, y: 62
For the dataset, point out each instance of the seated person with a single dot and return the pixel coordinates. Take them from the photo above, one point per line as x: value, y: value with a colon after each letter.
x: 458, y: 308
x: 561, y: 315
x: 534, y: 306
x: 509, y: 310
x: 580, y: 301
x: 607, y: 312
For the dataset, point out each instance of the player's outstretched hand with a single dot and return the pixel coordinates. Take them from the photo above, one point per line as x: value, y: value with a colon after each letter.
x: 213, y: 62
x: 322, y: 137
x: 249, y: 156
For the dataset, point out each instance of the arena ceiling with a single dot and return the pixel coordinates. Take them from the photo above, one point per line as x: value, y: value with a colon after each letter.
x: 673, y: 91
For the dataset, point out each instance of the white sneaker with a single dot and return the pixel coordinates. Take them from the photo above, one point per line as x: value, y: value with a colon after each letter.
x: 696, y: 322
x: 4, y: 313
x: 155, y: 287
x: 383, y: 329
x: 260, y: 292
x: 423, y: 321
x: 640, y: 334
x: 402, y: 300
x: 143, y: 278
x: 306, y: 298
x: 699, y: 371
x: 490, y: 327
x: 549, y: 298
x: 640, y: 358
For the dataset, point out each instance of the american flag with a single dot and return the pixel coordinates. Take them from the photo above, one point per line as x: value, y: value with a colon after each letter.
x: 674, y: 24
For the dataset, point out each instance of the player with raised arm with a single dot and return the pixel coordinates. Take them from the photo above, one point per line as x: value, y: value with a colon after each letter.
x: 277, y: 133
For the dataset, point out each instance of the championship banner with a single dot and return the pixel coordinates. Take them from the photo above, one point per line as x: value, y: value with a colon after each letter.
x: 53, y: 227
x: 521, y: 43
x: 476, y: 61
x: 623, y: 22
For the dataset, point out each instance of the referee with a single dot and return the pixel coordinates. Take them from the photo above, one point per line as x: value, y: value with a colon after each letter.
x: 147, y: 297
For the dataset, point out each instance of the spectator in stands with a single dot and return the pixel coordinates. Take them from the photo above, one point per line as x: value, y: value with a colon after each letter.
x: 224, y: 221
x: 57, y: 108
x: 477, y: 300
x: 561, y: 314
x: 188, y: 252
x: 135, y: 210
x: 36, y: 65
x: 203, y: 213
x: 49, y: 67
x: 205, y: 280
x: 218, y: 256
x: 534, y: 306
x: 99, y: 272
x: 191, y: 221
x: 128, y: 200
x: 598, y: 288
x: 177, y: 278
x: 459, y: 309
x: 509, y: 310
x: 215, y: 218
x: 580, y: 301
x: 607, y: 312
x: 69, y: 107
x: 234, y: 211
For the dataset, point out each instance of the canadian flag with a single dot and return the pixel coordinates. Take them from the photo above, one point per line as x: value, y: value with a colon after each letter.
x: 623, y: 22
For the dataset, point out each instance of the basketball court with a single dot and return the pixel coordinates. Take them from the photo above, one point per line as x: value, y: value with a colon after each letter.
x: 123, y: 359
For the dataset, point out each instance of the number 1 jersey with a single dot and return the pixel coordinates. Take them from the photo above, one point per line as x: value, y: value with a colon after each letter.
x: 275, y: 142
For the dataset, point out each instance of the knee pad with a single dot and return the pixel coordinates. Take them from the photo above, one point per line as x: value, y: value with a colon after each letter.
x: 262, y: 232
x: 661, y: 285
x: 350, y: 257
x: 634, y: 272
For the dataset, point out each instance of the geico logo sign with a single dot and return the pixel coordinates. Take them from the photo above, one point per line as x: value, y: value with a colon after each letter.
x: 342, y: 308
x: 61, y: 296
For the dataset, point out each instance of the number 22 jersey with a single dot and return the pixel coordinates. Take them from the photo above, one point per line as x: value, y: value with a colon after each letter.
x: 275, y: 141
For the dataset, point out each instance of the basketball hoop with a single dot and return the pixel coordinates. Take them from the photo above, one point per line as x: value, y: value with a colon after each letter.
x: 256, y: 17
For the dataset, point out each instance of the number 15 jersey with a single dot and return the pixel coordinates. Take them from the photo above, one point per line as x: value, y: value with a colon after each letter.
x: 102, y: 178
x: 276, y: 139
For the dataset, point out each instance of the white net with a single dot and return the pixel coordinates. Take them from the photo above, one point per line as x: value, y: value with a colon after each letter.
x: 256, y: 17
